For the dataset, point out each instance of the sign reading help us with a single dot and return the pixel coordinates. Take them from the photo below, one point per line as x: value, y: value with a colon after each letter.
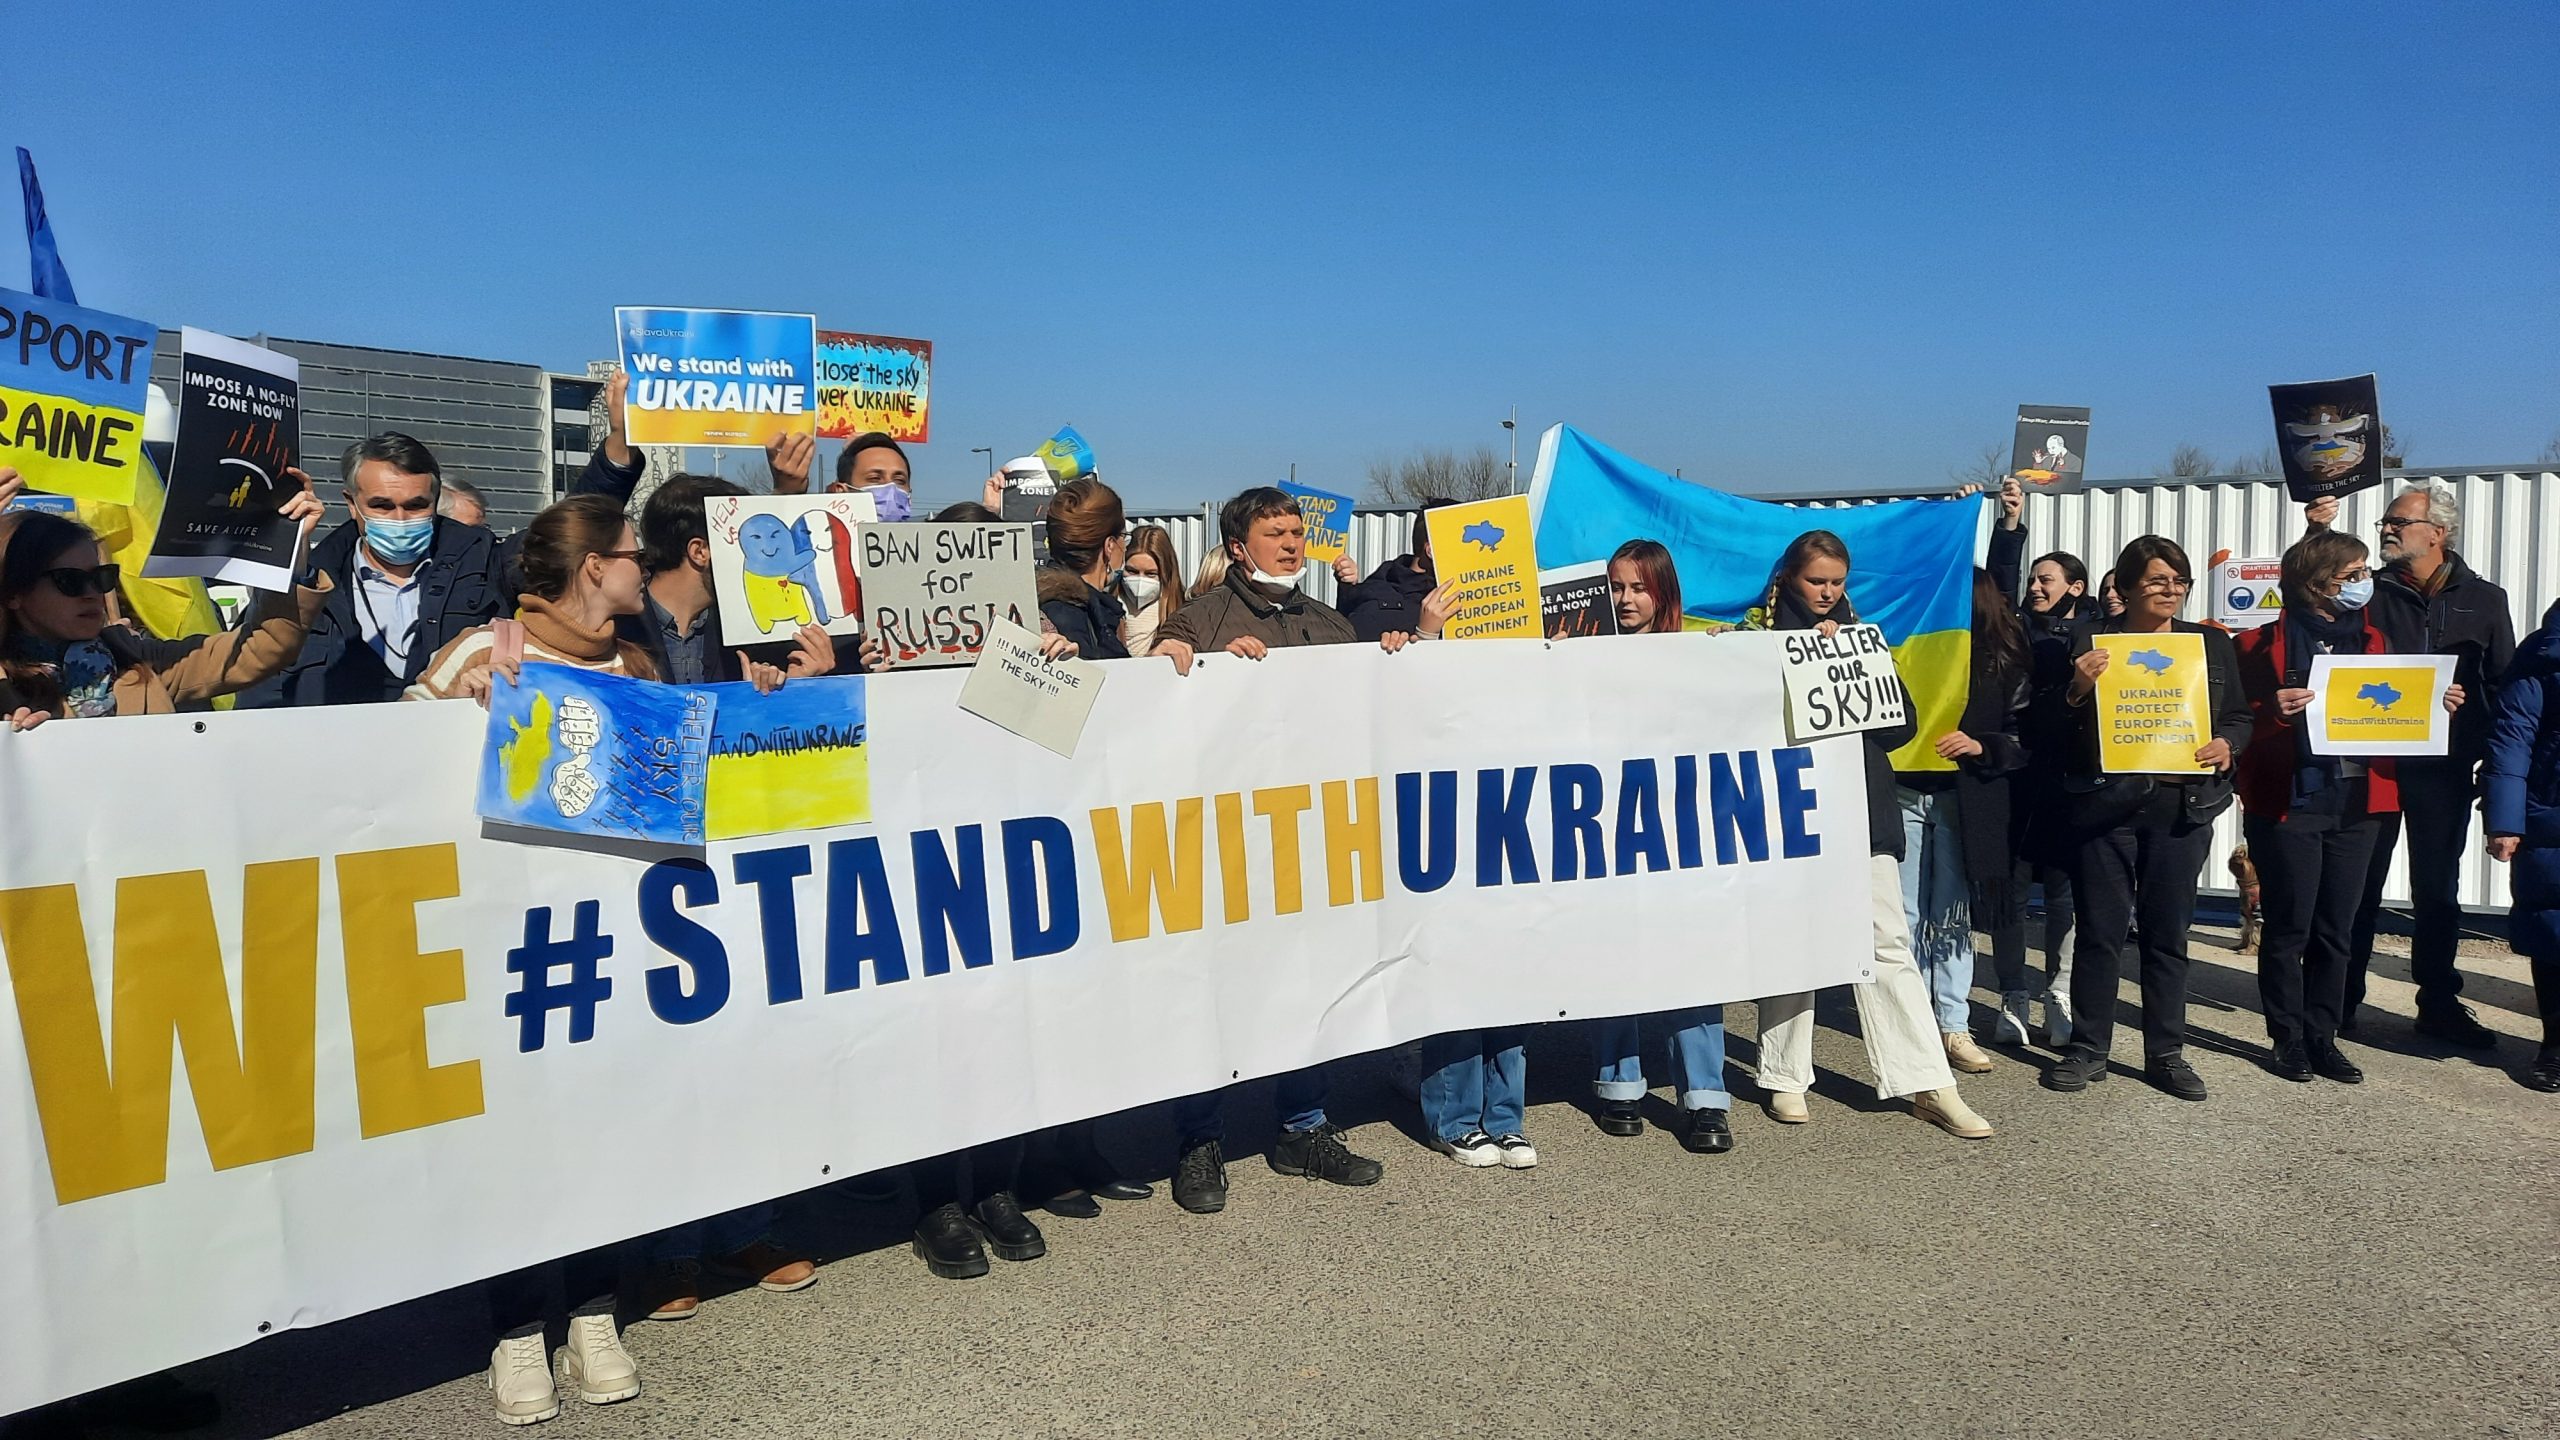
x: 1840, y: 683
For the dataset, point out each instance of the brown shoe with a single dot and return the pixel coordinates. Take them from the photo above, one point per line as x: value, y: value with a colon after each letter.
x: 1966, y: 1056
x: 770, y: 1266
x: 674, y: 1290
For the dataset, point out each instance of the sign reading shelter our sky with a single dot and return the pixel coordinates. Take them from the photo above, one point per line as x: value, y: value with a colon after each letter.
x: 718, y: 377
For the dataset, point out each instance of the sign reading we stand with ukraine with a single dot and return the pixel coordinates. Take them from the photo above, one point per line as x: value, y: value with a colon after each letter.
x: 718, y: 377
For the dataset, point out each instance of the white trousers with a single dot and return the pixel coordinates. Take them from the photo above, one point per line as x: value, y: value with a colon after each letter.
x: 1904, y: 1047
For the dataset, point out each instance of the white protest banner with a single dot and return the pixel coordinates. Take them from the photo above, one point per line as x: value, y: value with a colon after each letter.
x: 385, y: 1013
x: 931, y: 591
x: 1042, y: 700
x: 2380, y: 705
x: 2247, y: 593
x: 779, y: 562
x: 1841, y: 683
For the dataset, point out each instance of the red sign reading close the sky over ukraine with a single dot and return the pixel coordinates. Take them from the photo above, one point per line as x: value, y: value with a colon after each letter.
x: 874, y: 382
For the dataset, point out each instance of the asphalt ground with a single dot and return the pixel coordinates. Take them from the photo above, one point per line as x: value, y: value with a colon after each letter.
x: 2284, y: 1260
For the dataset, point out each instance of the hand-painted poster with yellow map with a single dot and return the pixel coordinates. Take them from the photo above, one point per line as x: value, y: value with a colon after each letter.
x: 594, y: 754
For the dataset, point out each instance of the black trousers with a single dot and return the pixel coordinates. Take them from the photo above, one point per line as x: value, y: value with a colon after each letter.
x: 965, y: 1177
x: 2546, y: 996
x: 2435, y: 810
x: 522, y: 1301
x: 2311, y: 873
x: 2145, y: 867
x: 2009, y: 940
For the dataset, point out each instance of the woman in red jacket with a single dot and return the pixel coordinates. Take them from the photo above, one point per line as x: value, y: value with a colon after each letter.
x: 2311, y: 820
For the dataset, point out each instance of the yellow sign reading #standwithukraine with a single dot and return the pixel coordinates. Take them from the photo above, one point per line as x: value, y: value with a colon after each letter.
x: 2153, y: 710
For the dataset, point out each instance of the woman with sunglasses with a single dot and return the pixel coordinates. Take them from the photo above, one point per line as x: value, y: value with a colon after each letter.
x: 2142, y: 838
x: 581, y: 568
x: 62, y: 654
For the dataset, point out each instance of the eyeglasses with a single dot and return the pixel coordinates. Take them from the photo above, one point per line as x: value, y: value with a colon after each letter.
x: 73, y: 583
x: 2357, y: 576
x: 619, y: 554
x: 2172, y: 586
x: 2394, y: 522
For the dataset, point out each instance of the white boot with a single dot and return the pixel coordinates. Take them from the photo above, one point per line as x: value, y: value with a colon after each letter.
x: 1946, y: 1110
x: 2057, y: 1019
x: 1788, y: 1108
x: 520, y: 1381
x: 597, y: 1364
x: 2012, y: 1028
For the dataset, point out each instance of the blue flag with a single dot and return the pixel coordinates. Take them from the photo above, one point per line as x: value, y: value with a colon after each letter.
x: 45, y: 276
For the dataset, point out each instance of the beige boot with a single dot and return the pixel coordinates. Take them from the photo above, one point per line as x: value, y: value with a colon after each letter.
x: 520, y: 1381
x: 596, y: 1363
x: 1946, y: 1110
x: 1788, y: 1108
x: 1966, y: 1056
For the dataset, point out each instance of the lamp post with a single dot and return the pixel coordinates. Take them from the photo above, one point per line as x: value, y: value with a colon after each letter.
x: 990, y: 452
x: 1511, y: 473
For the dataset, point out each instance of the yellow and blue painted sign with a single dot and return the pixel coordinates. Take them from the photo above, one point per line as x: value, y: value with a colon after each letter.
x: 72, y: 382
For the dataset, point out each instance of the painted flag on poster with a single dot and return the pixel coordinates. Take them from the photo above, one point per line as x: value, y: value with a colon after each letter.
x: 239, y: 431
x: 870, y: 383
x: 2380, y: 705
x: 2153, y: 704
x: 1484, y: 548
x: 797, y: 759
x: 2328, y: 436
x: 717, y: 377
x: 1328, y: 518
x: 2051, y: 449
x: 72, y: 385
x: 1911, y: 561
x: 779, y: 562
x: 594, y: 754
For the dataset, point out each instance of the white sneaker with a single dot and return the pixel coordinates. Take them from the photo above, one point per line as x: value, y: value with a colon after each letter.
x: 1475, y: 1150
x: 2012, y: 1028
x: 2057, y: 1019
x: 1788, y: 1108
x: 1517, y: 1152
x: 597, y: 1364
x: 520, y: 1380
x: 1946, y: 1110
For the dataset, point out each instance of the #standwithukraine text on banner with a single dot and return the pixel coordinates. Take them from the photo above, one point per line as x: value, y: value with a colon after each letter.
x: 380, y: 1013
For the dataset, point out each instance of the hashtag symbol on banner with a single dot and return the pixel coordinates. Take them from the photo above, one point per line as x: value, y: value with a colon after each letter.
x: 537, y: 994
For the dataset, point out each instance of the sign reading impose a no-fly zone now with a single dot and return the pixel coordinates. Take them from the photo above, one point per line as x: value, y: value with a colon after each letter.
x: 1841, y: 682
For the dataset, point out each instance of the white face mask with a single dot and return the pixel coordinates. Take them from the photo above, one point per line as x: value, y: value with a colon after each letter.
x: 1279, y: 582
x: 1141, y: 588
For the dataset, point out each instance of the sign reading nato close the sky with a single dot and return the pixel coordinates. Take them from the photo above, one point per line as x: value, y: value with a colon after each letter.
x: 718, y: 377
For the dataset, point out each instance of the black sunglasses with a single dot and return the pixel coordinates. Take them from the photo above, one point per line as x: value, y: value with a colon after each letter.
x: 74, y: 583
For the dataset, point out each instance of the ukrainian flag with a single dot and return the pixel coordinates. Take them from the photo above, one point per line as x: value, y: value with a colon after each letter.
x: 1910, y: 561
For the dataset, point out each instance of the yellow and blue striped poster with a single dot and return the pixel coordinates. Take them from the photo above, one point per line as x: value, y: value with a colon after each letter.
x: 72, y: 382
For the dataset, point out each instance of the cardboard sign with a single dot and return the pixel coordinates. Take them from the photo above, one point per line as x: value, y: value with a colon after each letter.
x: 931, y: 593
x: 1328, y: 518
x: 595, y: 754
x: 1485, y: 549
x: 1042, y: 700
x: 874, y: 382
x: 718, y: 377
x: 2153, y: 704
x: 2380, y: 705
x: 2247, y: 593
x: 2051, y: 450
x: 2328, y: 436
x: 1573, y: 600
x: 1841, y: 683
x: 72, y: 383
x: 239, y: 430
x: 797, y: 759
x: 779, y: 562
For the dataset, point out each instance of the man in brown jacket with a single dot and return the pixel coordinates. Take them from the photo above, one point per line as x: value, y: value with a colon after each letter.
x: 1259, y: 608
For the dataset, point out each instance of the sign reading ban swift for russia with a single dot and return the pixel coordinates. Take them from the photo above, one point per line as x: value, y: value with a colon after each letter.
x: 718, y: 377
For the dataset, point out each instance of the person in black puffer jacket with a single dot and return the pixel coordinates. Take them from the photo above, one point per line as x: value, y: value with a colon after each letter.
x: 1391, y: 598
x: 2057, y: 609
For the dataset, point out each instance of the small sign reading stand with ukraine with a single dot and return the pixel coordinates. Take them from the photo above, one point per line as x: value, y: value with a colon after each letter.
x: 2380, y: 705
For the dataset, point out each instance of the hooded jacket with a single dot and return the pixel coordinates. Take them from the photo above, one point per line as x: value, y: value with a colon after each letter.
x: 2468, y: 618
x: 1089, y: 617
x: 1389, y: 600
x: 2522, y: 784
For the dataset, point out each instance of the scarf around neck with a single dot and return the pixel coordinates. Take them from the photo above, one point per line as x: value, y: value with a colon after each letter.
x: 556, y: 631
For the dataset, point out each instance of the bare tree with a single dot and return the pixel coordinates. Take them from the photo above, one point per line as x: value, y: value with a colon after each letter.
x: 2265, y: 462
x: 2394, y: 454
x: 1405, y: 483
x: 2187, y: 462
x: 1987, y: 469
x: 2551, y: 452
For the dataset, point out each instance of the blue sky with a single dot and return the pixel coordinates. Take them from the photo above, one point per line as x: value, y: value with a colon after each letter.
x: 1776, y: 246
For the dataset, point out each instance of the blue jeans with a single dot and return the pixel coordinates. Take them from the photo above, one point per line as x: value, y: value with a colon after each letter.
x: 1299, y: 1095
x: 1937, y: 903
x: 1697, y: 1058
x: 718, y: 1236
x: 1475, y: 1080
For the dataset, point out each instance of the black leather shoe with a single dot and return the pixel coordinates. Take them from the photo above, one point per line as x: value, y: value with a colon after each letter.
x: 1072, y: 1205
x: 2175, y: 1076
x: 2544, y: 1073
x: 1200, y: 1179
x: 1007, y: 1231
x: 2291, y: 1063
x: 2074, y: 1073
x: 1093, y: 1170
x: 2350, y: 1025
x: 1115, y: 1188
x: 1705, y: 1132
x: 1319, y: 1154
x: 2333, y: 1064
x: 2458, y: 1026
x: 1618, y: 1117
x: 948, y: 1246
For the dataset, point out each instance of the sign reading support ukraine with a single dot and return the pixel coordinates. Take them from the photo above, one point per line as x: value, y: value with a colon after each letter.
x: 718, y: 377
x: 71, y: 388
x: 1910, y: 561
